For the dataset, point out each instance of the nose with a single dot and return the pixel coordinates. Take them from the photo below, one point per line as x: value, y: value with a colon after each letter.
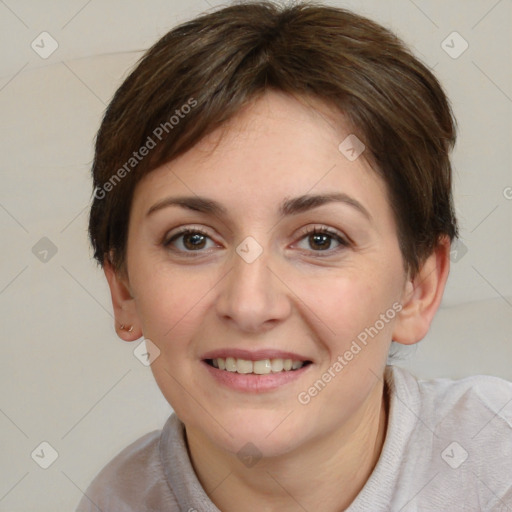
x: 252, y: 298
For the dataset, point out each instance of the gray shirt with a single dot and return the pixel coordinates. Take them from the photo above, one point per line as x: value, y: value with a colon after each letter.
x: 448, y: 447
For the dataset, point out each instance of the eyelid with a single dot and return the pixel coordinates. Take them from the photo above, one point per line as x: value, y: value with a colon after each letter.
x: 171, y: 236
x: 343, y: 241
x: 320, y: 228
x: 340, y: 238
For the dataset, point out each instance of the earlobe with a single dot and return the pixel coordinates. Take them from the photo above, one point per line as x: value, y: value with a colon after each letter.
x: 422, y: 296
x: 123, y: 304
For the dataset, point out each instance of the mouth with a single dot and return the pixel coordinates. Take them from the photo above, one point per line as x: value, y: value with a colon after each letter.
x: 255, y: 371
x: 258, y: 367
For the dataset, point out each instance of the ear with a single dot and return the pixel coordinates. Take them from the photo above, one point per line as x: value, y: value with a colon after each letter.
x: 123, y: 303
x: 422, y: 296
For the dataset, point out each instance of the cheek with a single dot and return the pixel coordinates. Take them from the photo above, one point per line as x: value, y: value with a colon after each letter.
x: 349, y: 307
x: 171, y: 307
x: 169, y: 300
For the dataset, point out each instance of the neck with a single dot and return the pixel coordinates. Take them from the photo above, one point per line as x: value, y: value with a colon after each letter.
x: 323, y: 474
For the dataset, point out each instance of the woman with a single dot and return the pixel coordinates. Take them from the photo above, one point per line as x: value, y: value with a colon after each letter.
x: 272, y: 209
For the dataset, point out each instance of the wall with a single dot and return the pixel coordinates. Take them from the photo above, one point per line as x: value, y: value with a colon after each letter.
x: 66, y: 378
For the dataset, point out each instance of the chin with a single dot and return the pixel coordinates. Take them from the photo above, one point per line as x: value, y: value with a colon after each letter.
x: 258, y: 433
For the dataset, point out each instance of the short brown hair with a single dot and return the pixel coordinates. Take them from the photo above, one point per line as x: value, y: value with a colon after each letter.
x: 203, y: 72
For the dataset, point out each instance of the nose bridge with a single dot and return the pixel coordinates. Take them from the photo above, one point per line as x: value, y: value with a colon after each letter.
x: 251, y: 296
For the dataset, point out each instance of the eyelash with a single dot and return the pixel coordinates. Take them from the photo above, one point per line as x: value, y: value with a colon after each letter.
x: 183, y: 232
x: 323, y: 230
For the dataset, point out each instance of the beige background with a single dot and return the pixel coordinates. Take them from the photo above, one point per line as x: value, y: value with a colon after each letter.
x: 65, y: 376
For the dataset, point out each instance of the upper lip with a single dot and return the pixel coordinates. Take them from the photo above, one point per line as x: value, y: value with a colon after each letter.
x: 253, y: 355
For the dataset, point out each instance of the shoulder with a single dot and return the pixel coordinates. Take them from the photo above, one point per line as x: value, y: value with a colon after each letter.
x: 491, y: 396
x: 443, y: 394
x: 131, y: 480
x: 460, y: 441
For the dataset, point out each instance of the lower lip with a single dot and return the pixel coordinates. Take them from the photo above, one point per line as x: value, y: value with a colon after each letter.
x: 253, y: 383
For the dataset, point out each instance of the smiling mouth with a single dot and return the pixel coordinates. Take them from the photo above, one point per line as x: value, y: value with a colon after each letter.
x: 261, y: 367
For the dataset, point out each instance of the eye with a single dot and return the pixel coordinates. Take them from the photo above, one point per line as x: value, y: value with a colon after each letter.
x: 189, y: 240
x: 322, y: 240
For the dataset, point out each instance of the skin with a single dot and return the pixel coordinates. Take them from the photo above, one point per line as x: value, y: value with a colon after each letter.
x: 318, y: 455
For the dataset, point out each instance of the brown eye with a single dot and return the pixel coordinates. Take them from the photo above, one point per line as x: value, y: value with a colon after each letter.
x: 189, y: 240
x: 194, y: 241
x: 320, y: 241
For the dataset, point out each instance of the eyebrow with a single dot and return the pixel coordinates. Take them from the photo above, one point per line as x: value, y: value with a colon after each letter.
x: 307, y: 202
x: 195, y: 203
x: 288, y: 207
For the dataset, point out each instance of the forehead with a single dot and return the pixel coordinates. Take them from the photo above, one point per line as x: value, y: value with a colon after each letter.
x: 276, y: 147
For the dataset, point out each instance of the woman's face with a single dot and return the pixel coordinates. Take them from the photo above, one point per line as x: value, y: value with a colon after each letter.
x: 267, y: 273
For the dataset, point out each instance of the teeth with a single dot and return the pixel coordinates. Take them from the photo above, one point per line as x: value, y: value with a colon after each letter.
x: 262, y: 367
x: 230, y: 364
x: 277, y: 365
x: 243, y: 366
